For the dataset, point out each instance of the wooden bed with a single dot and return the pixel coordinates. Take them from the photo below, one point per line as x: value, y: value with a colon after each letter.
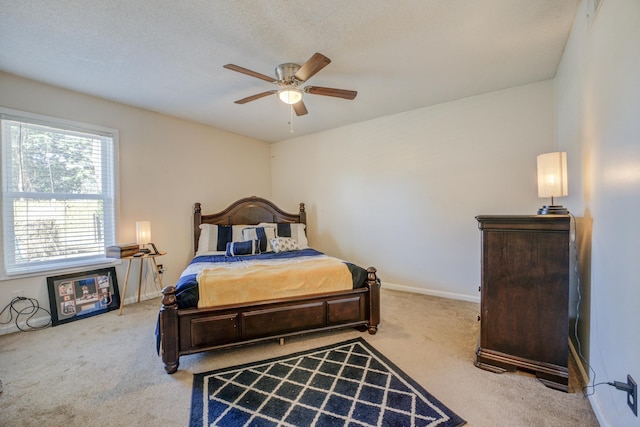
x: 194, y: 330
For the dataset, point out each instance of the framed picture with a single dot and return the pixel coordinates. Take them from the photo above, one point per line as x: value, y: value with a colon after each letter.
x: 78, y: 295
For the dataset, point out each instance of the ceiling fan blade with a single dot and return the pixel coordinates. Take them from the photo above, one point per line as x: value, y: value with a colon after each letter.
x: 314, y: 64
x: 300, y: 108
x: 249, y: 72
x: 254, y: 97
x: 327, y: 91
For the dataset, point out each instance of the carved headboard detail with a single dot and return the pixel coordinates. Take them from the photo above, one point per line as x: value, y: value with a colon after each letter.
x: 249, y: 210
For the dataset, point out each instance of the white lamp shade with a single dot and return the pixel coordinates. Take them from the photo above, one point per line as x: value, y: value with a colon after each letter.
x: 143, y: 232
x: 552, y: 175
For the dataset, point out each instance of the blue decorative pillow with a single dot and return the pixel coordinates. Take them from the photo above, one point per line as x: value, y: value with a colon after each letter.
x: 249, y: 247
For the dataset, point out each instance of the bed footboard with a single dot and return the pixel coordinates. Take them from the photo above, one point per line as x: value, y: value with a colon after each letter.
x: 188, y: 331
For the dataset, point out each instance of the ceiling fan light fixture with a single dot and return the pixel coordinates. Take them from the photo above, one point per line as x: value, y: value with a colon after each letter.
x: 290, y: 95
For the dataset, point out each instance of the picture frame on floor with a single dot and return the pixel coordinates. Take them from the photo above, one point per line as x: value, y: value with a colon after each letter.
x: 80, y: 295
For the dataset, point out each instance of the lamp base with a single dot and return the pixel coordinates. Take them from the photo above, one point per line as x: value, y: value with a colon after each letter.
x: 553, y: 210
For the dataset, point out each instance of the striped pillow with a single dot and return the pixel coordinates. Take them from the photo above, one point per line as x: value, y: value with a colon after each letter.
x: 294, y: 230
x: 262, y: 234
x: 213, y: 237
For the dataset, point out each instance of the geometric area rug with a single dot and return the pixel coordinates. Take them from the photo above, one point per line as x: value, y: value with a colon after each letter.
x: 344, y: 384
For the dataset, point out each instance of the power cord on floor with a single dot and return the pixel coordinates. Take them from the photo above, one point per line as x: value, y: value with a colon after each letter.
x: 24, y: 307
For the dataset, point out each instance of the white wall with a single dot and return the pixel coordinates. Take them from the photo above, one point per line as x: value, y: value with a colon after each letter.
x: 401, y: 192
x: 166, y: 164
x: 597, y: 91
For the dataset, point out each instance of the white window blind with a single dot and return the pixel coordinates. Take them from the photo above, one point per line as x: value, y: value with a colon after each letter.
x: 58, y: 202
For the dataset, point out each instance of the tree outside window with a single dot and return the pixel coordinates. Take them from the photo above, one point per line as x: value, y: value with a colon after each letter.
x: 58, y: 196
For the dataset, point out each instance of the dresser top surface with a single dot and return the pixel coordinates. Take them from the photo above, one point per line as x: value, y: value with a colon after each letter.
x: 557, y: 222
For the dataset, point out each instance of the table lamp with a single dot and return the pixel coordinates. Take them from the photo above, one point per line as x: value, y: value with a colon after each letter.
x: 552, y: 181
x: 143, y: 233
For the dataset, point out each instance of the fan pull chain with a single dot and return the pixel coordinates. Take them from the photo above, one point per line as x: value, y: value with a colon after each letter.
x: 291, y: 118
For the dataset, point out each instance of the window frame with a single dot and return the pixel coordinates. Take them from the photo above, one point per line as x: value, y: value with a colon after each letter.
x: 110, y: 160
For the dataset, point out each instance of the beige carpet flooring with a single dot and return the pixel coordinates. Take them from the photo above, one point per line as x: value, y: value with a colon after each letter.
x: 103, y: 371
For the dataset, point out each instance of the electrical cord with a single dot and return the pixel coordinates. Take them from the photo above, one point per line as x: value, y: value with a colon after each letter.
x: 30, y: 307
x: 592, y: 383
x: 156, y: 277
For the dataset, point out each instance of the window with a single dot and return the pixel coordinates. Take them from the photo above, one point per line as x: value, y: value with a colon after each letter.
x: 58, y: 202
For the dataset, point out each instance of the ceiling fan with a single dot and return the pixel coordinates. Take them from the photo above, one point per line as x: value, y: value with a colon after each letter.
x: 289, y: 79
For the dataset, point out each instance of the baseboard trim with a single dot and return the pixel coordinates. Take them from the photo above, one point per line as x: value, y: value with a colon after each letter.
x: 39, y: 322
x: 584, y: 375
x: 593, y: 398
x: 36, y: 322
x: 432, y: 292
x: 597, y: 410
x: 149, y: 295
x: 44, y: 320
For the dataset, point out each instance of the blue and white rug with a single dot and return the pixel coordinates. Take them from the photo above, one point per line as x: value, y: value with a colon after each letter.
x: 344, y: 384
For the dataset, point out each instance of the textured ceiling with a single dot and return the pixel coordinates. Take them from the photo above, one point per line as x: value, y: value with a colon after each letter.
x: 167, y: 55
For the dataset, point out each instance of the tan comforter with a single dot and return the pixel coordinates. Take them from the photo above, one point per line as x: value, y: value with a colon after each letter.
x: 266, y: 281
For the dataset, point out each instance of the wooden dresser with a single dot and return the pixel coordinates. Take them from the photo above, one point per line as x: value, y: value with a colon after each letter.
x: 524, y: 296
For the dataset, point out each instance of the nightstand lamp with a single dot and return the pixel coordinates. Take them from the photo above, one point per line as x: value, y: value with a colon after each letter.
x: 143, y: 233
x: 552, y: 181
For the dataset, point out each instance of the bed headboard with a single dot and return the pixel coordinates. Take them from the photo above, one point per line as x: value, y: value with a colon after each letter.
x: 249, y: 210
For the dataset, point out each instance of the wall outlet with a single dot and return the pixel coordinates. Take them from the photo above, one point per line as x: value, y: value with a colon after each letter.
x: 17, y: 293
x: 632, y: 395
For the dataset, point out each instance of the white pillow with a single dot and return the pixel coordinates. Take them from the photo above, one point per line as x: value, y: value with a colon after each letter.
x: 237, y: 232
x: 284, y: 244
x: 297, y: 232
x: 262, y: 234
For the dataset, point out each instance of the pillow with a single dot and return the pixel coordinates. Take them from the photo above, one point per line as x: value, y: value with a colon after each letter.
x: 236, y: 234
x: 294, y: 230
x: 284, y: 244
x: 214, y: 237
x: 250, y: 247
x: 262, y: 234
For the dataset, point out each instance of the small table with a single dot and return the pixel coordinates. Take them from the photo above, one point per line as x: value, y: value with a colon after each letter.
x: 142, y: 258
